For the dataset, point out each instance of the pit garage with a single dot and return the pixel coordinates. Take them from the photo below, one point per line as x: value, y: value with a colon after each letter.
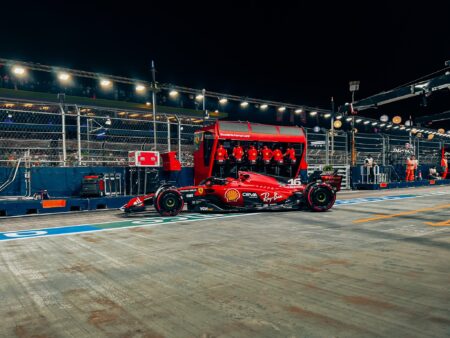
x: 377, y: 264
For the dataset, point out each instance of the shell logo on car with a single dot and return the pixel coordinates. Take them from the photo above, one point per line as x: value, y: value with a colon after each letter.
x: 232, y: 195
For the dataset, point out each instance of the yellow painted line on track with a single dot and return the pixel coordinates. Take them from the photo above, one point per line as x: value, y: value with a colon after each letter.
x: 439, y: 224
x: 411, y: 212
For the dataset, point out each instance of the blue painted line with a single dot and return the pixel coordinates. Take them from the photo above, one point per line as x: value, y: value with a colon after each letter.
x: 11, y: 235
x: 77, y: 229
x: 374, y: 199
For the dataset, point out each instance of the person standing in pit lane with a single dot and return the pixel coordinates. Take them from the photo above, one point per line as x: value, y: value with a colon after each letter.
x: 444, y: 165
x: 369, y: 164
x: 410, y: 164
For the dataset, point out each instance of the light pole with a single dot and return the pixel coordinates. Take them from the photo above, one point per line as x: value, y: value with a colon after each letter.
x: 61, y: 98
x: 154, y: 103
x: 354, y: 86
x: 332, y: 127
x: 205, y: 112
x: 78, y: 134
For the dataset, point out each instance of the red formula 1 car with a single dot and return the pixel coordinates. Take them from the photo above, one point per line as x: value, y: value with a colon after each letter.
x: 251, y: 191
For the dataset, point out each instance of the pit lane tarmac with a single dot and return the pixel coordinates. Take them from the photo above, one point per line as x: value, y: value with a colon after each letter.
x: 375, y: 265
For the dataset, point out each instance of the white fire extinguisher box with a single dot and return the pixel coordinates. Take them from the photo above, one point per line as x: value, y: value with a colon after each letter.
x: 143, y: 158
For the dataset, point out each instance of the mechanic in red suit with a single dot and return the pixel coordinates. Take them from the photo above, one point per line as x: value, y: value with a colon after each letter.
x: 266, y: 156
x: 277, y: 156
x: 290, y: 154
x: 221, y: 157
x: 238, y: 153
x: 252, y: 156
x: 278, y: 159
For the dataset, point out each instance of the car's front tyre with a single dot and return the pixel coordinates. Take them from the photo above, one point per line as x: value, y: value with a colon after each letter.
x: 169, y: 202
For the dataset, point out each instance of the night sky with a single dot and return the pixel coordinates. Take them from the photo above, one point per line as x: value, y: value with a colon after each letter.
x: 297, y: 53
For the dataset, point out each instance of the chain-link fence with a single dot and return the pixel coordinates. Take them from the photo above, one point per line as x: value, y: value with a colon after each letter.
x: 37, y: 130
x: 429, y: 151
x: 58, y: 135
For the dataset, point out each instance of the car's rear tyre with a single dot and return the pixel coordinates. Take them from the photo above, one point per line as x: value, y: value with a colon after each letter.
x: 169, y: 202
x: 320, y: 197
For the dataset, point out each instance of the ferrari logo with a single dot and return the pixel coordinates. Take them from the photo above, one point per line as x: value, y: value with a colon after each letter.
x: 200, y: 191
x: 232, y: 195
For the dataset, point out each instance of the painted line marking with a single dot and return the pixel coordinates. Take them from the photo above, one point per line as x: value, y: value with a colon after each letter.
x: 411, y: 212
x: 439, y: 224
x: 373, y: 199
x: 107, y: 226
x: 86, y: 228
x: 386, y: 198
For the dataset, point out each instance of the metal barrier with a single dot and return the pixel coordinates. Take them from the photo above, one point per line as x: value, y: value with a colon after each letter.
x: 376, y: 177
x: 113, y: 184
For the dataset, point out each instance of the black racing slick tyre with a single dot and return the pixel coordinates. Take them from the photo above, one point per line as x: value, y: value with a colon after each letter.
x: 169, y: 202
x: 320, y: 197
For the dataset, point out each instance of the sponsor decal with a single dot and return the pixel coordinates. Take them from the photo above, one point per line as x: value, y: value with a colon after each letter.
x: 317, y: 144
x: 402, y: 150
x: 189, y: 195
x: 235, y: 135
x: 250, y: 194
x: 295, y: 181
x: 270, y: 197
x: 232, y: 195
x: 200, y: 191
x: 188, y: 190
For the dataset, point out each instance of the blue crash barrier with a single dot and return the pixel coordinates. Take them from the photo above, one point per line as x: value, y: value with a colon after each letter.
x: 66, y: 181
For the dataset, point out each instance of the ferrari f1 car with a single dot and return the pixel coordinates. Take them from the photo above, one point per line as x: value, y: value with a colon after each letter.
x: 250, y: 191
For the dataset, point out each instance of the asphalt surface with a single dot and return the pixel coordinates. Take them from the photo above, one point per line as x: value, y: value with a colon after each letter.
x: 372, y: 266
